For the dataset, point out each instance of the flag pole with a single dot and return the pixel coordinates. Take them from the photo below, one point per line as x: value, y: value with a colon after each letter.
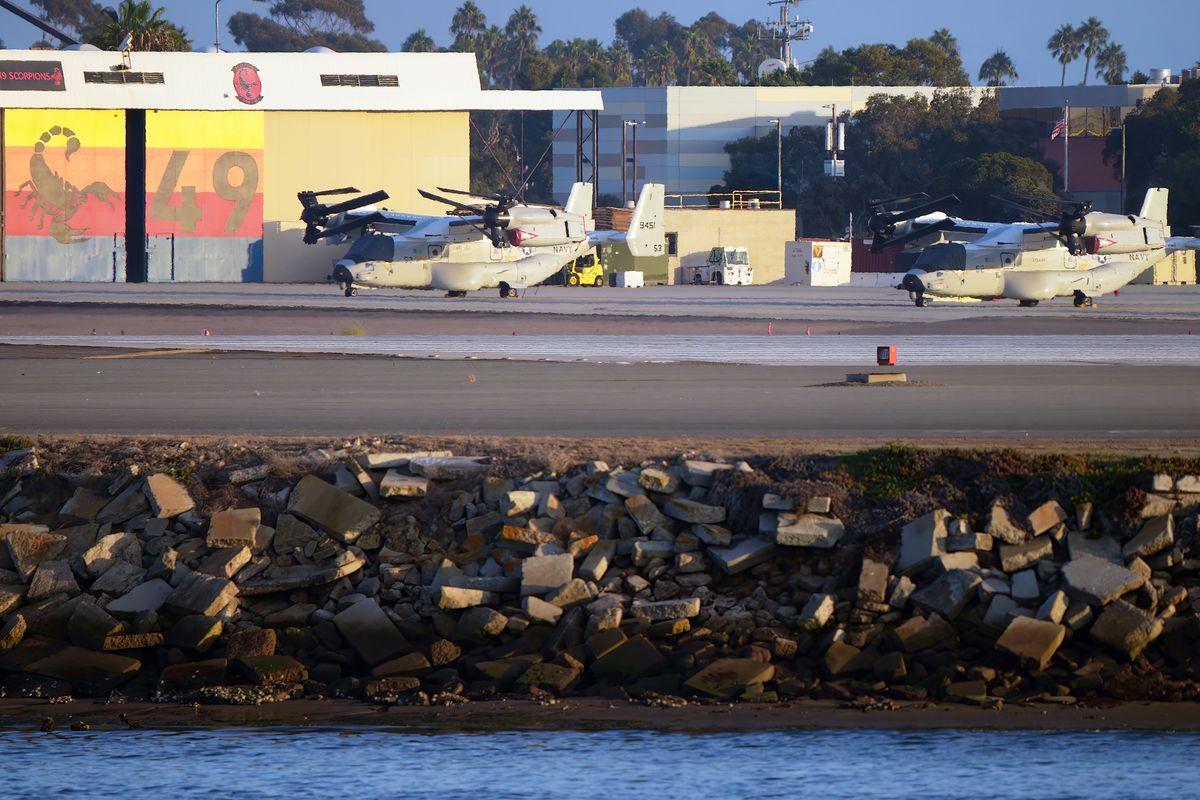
x: 1066, y: 148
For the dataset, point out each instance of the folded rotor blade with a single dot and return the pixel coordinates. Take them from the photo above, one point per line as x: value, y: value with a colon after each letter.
x: 449, y: 202
x: 881, y: 243
x: 314, y: 234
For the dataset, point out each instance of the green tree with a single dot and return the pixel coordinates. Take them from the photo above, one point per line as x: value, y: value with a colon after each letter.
x: 293, y: 26
x: 747, y: 50
x: 1065, y: 46
x: 522, y: 30
x: 944, y: 39
x: 418, y: 42
x: 1092, y: 36
x: 150, y: 31
x: 1110, y: 64
x: 84, y: 18
x: 467, y: 24
x: 997, y: 69
x: 977, y: 180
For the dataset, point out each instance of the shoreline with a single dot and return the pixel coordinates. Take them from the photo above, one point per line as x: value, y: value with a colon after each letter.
x: 584, y: 714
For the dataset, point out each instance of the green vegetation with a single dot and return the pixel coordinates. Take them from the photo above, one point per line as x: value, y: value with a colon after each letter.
x: 883, y: 473
x: 9, y: 443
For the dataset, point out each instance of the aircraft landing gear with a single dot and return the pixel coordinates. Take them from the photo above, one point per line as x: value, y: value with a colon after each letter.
x: 351, y: 291
x: 920, y: 301
x: 456, y: 293
x: 1027, y: 303
x: 507, y: 291
x: 1083, y: 301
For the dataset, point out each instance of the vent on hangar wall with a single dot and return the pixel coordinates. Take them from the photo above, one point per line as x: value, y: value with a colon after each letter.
x: 122, y: 77
x: 360, y: 80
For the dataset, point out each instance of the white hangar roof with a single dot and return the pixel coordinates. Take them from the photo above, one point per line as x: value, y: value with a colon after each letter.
x: 315, y: 81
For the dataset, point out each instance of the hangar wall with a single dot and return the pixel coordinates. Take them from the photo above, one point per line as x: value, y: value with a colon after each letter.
x: 396, y: 151
x: 64, y: 194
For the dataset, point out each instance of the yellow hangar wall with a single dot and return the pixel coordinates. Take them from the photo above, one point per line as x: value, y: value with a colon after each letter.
x: 399, y: 152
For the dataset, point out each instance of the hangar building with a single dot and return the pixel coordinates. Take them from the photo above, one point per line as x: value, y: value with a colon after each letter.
x: 185, y: 166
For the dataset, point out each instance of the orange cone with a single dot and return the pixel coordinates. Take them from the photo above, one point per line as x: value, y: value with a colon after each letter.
x: 206, y: 333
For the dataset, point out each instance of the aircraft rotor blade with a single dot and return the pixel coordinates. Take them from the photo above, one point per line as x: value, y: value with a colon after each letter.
x: 453, y: 203
x: 881, y: 243
x: 498, y: 198
x: 315, y: 233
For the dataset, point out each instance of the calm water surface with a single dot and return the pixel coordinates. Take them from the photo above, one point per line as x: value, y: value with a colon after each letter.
x: 370, y: 763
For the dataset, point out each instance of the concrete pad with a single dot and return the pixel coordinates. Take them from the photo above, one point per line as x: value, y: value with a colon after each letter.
x: 921, y: 540
x: 808, y: 530
x: 234, y: 527
x: 367, y: 629
x: 343, y: 516
x: 541, y: 575
x: 149, y: 596
x: 1033, y: 641
x: 395, y: 484
x: 167, y: 497
x: 1099, y: 582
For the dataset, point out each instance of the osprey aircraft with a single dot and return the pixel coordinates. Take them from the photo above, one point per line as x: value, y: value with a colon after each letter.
x: 505, y: 244
x: 1076, y: 253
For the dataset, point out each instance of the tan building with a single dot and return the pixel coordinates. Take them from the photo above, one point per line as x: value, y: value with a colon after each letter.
x: 143, y: 166
x: 693, y: 232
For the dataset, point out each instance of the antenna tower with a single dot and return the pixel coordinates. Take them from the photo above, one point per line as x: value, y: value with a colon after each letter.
x: 786, y: 30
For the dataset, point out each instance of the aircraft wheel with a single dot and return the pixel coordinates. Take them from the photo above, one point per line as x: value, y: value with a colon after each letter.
x: 920, y: 301
x: 598, y: 282
x: 1082, y: 300
x: 506, y: 291
x: 352, y: 292
x: 572, y: 280
x: 696, y: 279
x: 1028, y: 303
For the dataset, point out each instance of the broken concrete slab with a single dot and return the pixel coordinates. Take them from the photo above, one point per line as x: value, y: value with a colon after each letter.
x: 1046, y: 516
x: 541, y: 575
x: 1156, y: 534
x: 118, y: 579
x: 1001, y: 526
x: 1126, y: 628
x: 742, y: 556
x: 343, y: 516
x: 949, y: 595
x: 268, y: 670
x: 729, y: 677
x: 168, y: 498
x: 539, y: 610
x: 645, y: 514
x: 656, y: 611
x: 453, y: 598
x: 285, y: 579
x: 108, y: 550
x: 1080, y: 543
x: 816, y: 612
x: 396, y: 484
x: 235, y: 527
x: 1015, y: 557
x: 920, y: 633
x: 692, y: 511
x: 1054, y: 608
x: 598, y: 559
x: 30, y: 545
x: 149, y: 596
x: 448, y: 468
x: 200, y: 594
x: 808, y: 530
x: 51, y: 578
x: 480, y: 624
x: 90, y: 673
x: 1033, y: 641
x: 627, y: 661
x: 370, y: 632
x: 921, y: 540
x: 1099, y: 582
x: 89, y: 625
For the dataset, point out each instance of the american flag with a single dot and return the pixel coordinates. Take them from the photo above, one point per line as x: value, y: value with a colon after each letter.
x: 1059, y: 127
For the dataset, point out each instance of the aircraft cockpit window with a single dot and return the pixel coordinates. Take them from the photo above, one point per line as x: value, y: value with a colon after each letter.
x: 942, y: 256
x: 376, y: 247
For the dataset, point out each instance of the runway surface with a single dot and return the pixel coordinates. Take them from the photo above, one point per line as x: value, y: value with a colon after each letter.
x: 771, y: 350
x: 65, y: 390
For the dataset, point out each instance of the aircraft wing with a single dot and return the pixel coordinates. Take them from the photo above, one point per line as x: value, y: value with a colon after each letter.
x: 1175, y: 243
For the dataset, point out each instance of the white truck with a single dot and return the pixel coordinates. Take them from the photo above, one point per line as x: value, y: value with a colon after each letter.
x: 726, y: 266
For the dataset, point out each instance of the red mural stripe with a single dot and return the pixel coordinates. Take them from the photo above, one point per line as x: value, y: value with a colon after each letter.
x: 205, y: 214
x: 78, y: 217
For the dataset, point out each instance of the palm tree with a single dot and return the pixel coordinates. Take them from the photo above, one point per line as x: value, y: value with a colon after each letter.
x: 1111, y: 64
x: 1065, y: 46
x: 149, y: 30
x: 944, y: 39
x: 418, y: 42
x: 997, y: 68
x: 697, y: 49
x: 661, y: 60
x: 467, y: 24
x: 1092, y: 35
x: 522, y: 28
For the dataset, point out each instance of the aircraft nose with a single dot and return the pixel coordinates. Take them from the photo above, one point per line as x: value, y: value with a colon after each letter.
x: 912, y: 283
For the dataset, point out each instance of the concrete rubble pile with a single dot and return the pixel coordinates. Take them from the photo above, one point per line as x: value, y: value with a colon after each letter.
x: 620, y: 582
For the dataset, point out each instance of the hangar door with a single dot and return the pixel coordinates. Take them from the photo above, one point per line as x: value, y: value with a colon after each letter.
x: 204, y: 195
x: 64, y: 195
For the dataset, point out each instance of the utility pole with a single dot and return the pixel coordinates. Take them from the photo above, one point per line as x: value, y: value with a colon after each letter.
x: 1066, y: 148
x: 629, y: 123
x: 217, y: 20
x: 624, y: 167
x: 787, y: 30
x: 779, y: 158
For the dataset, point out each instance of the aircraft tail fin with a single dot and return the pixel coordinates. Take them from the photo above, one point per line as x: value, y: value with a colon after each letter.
x: 1155, y: 205
x: 645, y: 237
x: 580, y: 200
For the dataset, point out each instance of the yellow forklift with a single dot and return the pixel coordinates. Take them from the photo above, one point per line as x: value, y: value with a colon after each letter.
x: 584, y: 271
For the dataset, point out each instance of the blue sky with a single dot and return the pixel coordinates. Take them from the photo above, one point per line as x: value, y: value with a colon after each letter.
x: 1155, y: 33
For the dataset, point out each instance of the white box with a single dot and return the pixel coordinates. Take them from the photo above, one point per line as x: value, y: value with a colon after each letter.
x: 629, y: 280
x: 816, y: 263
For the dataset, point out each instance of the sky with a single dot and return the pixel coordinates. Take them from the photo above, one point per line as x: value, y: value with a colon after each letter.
x: 1154, y: 33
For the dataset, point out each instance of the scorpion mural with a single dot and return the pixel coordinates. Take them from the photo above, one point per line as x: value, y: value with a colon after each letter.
x: 52, y: 196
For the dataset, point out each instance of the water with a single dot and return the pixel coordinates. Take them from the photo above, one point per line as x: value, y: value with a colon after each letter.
x: 371, y: 763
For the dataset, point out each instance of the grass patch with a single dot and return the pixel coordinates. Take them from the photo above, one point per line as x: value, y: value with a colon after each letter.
x: 884, y: 473
x: 10, y: 443
x: 353, y: 329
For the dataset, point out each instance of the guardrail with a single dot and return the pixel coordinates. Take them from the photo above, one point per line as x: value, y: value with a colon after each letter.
x: 740, y: 199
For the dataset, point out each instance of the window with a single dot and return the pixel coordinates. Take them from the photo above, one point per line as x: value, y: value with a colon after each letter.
x: 360, y: 80
x: 672, y: 244
x: 122, y: 77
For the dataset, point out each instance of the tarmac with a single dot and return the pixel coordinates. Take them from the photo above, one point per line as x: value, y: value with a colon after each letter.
x: 661, y: 361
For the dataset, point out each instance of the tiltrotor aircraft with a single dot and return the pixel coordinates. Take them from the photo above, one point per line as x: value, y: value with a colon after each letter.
x: 505, y: 245
x: 1077, y: 253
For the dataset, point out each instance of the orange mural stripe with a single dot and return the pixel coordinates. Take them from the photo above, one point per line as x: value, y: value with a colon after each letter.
x: 50, y: 172
x: 195, y: 167
x: 80, y: 217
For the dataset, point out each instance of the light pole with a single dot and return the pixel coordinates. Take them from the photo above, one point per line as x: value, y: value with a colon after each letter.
x: 779, y: 158
x: 635, y: 124
x: 217, y: 21
x: 624, y: 165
